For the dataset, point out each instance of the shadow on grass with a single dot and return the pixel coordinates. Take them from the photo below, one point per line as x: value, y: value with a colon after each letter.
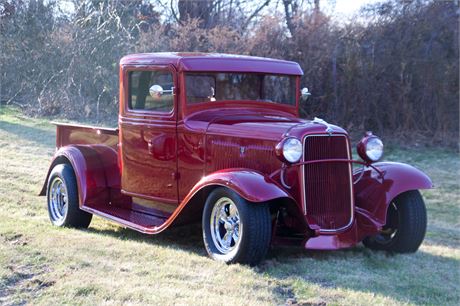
x: 186, y: 237
x: 415, y: 278
x: 419, y: 278
x: 37, y: 135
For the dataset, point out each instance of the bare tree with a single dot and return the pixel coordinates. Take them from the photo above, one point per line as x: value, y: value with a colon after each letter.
x: 395, y: 74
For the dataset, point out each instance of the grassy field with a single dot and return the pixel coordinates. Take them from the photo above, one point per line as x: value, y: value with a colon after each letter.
x: 107, y: 264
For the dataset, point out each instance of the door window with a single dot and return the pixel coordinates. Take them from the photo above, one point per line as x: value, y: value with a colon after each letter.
x: 140, y: 97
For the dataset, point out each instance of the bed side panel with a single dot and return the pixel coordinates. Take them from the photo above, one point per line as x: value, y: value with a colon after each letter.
x: 67, y: 134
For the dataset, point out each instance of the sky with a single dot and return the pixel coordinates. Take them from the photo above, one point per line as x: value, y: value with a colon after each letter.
x: 338, y: 7
x: 349, y: 7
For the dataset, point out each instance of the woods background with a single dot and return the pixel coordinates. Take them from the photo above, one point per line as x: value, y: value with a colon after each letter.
x: 393, y: 68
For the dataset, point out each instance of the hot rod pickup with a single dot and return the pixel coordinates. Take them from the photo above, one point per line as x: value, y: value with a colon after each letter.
x: 218, y: 138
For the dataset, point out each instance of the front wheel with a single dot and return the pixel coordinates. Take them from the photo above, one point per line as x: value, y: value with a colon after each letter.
x: 405, y: 228
x: 234, y: 230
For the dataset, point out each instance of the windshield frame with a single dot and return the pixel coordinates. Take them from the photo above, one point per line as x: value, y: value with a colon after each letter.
x: 192, y: 107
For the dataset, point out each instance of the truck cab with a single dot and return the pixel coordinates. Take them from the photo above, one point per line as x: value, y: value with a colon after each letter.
x: 217, y: 138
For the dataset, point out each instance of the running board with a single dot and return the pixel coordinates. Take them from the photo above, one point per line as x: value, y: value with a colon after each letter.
x: 141, y: 222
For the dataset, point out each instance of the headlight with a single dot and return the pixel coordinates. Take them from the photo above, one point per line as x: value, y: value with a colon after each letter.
x: 370, y: 148
x: 290, y: 150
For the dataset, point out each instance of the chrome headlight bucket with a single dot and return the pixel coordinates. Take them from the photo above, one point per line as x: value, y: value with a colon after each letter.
x: 370, y: 148
x: 289, y: 150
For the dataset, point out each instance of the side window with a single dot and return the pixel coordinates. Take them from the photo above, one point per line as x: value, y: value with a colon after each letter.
x: 200, y: 88
x: 139, y: 96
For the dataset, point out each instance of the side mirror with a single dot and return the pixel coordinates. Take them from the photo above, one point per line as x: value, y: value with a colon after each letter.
x: 156, y: 91
x: 304, y: 94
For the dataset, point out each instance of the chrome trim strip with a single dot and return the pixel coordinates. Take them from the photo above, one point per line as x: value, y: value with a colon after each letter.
x: 304, y: 200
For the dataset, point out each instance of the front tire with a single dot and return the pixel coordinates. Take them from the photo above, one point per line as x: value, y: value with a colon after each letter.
x: 406, y: 225
x: 235, y: 230
x: 62, y: 197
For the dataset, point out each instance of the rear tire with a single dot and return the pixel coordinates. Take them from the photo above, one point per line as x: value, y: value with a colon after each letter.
x: 235, y: 230
x: 406, y: 225
x: 62, y: 197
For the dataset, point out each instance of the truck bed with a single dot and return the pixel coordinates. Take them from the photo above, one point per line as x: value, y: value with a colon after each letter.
x: 67, y: 134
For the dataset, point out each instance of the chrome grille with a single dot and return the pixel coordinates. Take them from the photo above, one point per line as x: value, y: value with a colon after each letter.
x: 328, y: 186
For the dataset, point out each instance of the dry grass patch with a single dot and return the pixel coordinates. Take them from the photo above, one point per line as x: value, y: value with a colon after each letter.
x: 106, y: 264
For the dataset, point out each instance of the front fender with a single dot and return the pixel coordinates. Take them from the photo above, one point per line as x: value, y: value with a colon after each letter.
x: 374, y: 192
x: 249, y: 184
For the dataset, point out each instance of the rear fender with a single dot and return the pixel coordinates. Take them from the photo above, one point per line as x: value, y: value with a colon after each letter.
x: 374, y: 192
x: 96, y: 170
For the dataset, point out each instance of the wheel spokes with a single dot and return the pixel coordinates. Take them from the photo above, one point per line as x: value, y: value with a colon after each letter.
x: 232, y: 211
x: 58, y: 200
x: 225, y: 225
x: 228, y: 239
x: 235, y: 236
x: 223, y: 215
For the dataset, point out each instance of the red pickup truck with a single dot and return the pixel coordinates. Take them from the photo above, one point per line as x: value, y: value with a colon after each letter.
x: 218, y: 138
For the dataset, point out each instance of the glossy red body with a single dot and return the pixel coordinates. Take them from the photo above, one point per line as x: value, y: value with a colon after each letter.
x: 157, y: 168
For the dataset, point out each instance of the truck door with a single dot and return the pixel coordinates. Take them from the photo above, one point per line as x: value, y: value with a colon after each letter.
x: 148, y: 134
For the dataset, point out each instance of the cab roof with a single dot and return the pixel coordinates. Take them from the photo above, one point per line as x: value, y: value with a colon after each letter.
x: 213, y: 62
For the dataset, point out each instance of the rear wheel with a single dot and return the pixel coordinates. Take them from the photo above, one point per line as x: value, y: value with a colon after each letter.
x: 62, y: 197
x: 234, y: 230
x: 406, y: 225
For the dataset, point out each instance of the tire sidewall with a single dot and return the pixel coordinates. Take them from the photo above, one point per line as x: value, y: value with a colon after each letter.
x: 412, y: 221
x: 240, y: 203
x: 63, y: 172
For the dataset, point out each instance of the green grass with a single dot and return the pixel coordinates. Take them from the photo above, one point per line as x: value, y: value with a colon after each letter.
x: 107, y: 264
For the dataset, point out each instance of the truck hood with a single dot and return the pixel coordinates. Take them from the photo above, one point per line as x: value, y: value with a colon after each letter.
x: 263, y: 125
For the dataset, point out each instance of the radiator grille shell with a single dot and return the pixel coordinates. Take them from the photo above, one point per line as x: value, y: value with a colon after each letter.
x: 328, y: 186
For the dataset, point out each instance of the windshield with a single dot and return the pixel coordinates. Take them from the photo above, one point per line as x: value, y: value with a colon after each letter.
x: 209, y: 87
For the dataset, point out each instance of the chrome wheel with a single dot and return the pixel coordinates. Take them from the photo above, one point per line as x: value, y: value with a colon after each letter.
x: 235, y: 230
x: 226, y: 227
x: 58, y: 200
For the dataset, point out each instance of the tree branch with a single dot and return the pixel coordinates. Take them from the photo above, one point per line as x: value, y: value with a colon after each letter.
x: 254, y: 14
x: 174, y: 13
x: 289, y: 16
